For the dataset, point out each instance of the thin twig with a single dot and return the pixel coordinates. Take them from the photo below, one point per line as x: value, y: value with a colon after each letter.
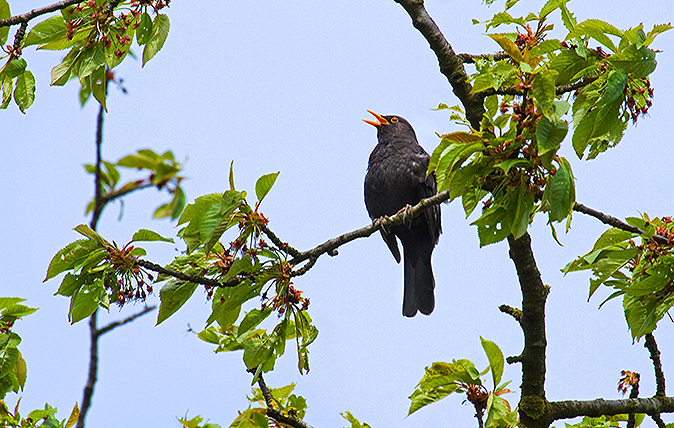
x: 18, y: 19
x: 470, y: 59
x: 280, y: 244
x: 614, y: 222
x: 274, y: 412
x: 114, y: 325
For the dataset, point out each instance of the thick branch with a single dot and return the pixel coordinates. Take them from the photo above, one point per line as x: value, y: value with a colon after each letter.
x: 450, y: 64
x: 18, y: 19
x: 599, y: 407
x: 534, y: 295
x: 274, y: 412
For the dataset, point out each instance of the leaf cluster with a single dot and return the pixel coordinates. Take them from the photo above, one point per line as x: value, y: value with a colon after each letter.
x: 643, y: 274
x: 13, y: 372
x: 98, y: 38
x: 461, y: 377
x: 163, y: 173
x: 284, y: 400
x: 511, y: 164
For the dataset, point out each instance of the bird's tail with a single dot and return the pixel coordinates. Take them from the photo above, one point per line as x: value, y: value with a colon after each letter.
x: 419, y: 282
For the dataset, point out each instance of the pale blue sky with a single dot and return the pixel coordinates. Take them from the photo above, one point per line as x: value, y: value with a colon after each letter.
x: 284, y: 86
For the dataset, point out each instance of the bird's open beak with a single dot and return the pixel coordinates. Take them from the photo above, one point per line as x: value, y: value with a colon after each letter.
x: 380, y: 118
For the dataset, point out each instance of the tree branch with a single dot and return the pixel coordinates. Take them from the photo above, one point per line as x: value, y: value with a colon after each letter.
x: 470, y: 59
x: 634, y: 393
x: 18, y: 19
x: 274, y: 412
x: 614, y: 222
x: 114, y: 325
x: 451, y: 65
x: 599, y: 407
x: 93, y: 371
x: 652, y: 347
x: 533, y: 405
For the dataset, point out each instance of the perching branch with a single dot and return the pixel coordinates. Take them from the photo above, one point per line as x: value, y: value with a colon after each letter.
x: 470, y: 59
x: 274, y: 412
x: 614, y: 222
x: 451, y: 65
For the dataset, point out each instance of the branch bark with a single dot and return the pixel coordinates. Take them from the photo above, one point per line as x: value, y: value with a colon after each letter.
x: 533, y: 405
x: 599, y: 407
x: 274, y: 412
x: 451, y: 65
x: 18, y: 19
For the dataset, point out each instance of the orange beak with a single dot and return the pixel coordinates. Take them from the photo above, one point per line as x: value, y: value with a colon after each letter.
x: 380, y: 118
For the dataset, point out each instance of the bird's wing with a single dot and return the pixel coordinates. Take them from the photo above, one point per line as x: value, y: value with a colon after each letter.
x: 427, y: 187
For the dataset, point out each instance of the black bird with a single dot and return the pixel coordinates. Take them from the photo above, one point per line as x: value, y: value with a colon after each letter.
x: 396, y: 178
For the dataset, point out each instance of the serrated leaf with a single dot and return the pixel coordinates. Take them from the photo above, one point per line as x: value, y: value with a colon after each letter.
x: 637, y: 62
x: 49, y: 30
x: 66, y: 258
x: 253, y: 319
x: 147, y: 235
x: 7, y: 89
x: 144, y: 30
x: 543, y: 90
x: 657, y: 29
x: 86, y: 300
x: 91, y: 58
x: 559, y: 195
x: 172, y: 297
x: 550, y: 6
x: 21, y: 370
x: 61, y: 72
x: 264, y: 185
x: 509, y: 46
x: 4, y: 14
x: 24, y: 93
x: 598, y: 30
x: 160, y: 30
x: 549, y: 135
x: 491, y: 227
x: 496, y: 360
x: 99, y: 86
x: 10, y: 301
x: 92, y: 234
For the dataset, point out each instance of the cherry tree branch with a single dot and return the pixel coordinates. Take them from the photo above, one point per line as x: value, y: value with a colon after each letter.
x: 654, y: 353
x: 274, y: 412
x: 599, y: 407
x: 451, y: 65
x: 18, y: 19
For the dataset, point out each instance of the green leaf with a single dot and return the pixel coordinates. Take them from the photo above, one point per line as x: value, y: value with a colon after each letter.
x: 657, y: 29
x: 253, y: 319
x: 69, y: 256
x: 264, y: 185
x: 173, y: 296
x: 549, y: 135
x: 496, y: 360
x: 598, y: 30
x: 99, y: 85
x: 91, y: 58
x: 568, y: 63
x: 7, y: 88
x: 550, y: 6
x: 92, y: 234
x: 17, y: 311
x: 560, y: 195
x: 61, y: 72
x: 148, y: 236
x: 543, y: 90
x: 491, y: 227
x: 14, y: 68
x: 86, y: 300
x: 637, y: 62
x: 20, y: 370
x: 509, y: 46
x: 144, y: 30
x: 4, y: 14
x: 160, y: 30
x: 24, y: 94
x: 50, y: 30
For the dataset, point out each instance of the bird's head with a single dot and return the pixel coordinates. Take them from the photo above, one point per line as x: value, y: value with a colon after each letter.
x: 391, y: 126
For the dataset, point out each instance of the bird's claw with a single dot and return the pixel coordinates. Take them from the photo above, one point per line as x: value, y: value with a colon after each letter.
x: 380, y: 223
x: 406, y: 211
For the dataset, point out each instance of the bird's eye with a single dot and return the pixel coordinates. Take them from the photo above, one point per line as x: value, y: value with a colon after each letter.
x: 394, y: 120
